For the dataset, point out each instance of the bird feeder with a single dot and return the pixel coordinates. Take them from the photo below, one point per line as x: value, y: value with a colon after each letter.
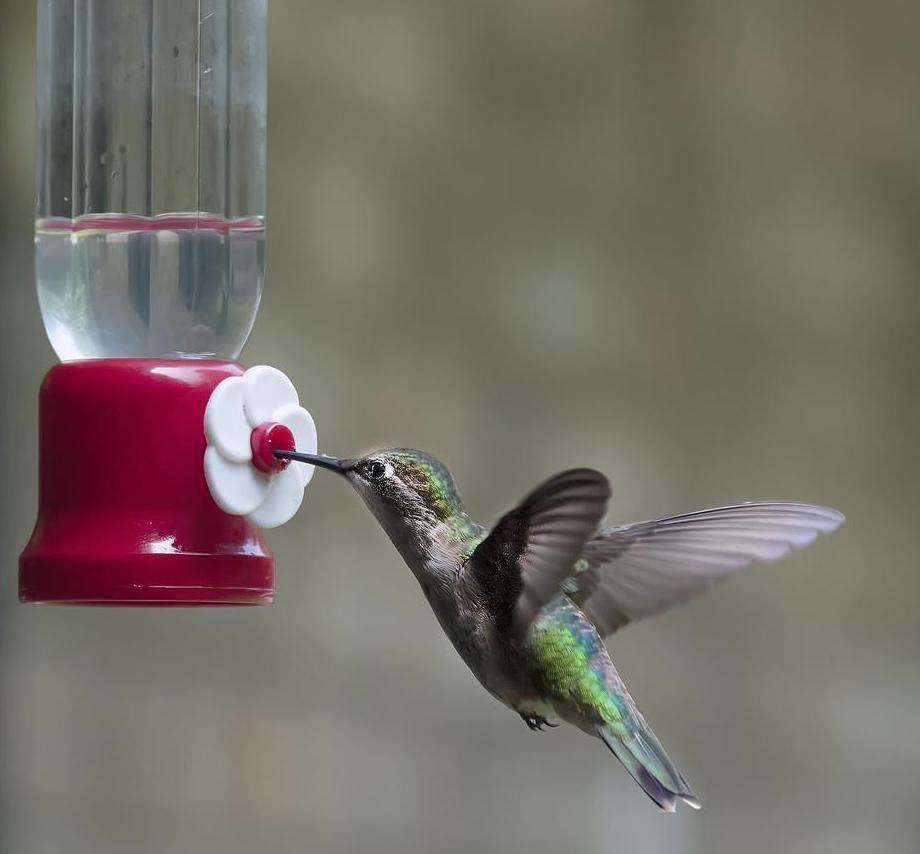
x: 156, y: 464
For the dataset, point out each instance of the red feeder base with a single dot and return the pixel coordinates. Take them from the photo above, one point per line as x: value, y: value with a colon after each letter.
x: 125, y: 515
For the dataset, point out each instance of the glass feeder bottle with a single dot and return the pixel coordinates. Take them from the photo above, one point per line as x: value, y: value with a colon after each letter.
x: 150, y: 176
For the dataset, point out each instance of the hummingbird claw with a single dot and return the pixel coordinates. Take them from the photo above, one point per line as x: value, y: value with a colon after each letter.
x: 536, y: 722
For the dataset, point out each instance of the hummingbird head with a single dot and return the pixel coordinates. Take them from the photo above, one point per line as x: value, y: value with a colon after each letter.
x: 409, y: 492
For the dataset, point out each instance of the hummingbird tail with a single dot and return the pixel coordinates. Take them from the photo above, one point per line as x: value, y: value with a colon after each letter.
x: 643, y: 756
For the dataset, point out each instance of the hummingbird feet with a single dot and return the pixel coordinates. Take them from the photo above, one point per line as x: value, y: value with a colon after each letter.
x: 535, y: 721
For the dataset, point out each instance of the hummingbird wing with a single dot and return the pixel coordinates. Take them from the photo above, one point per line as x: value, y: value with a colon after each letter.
x: 636, y: 570
x: 536, y: 544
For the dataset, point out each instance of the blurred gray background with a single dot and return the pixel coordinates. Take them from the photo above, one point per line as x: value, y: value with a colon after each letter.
x: 677, y: 241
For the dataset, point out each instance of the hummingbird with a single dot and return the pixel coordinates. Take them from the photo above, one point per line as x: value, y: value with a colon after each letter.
x: 527, y: 604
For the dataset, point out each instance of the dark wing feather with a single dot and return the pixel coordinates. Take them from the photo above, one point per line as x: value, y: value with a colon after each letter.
x: 540, y: 540
x: 636, y: 570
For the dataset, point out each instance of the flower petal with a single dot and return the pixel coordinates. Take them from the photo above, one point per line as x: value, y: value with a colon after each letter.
x: 300, y: 423
x: 225, y: 425
x: 237, y: 488
x: 265, y: 390
x: 283, y: 499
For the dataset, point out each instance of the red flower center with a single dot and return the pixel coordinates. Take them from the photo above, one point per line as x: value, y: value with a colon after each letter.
x: 267, y: 438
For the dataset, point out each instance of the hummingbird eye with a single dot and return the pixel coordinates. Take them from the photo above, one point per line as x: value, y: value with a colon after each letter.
x: 376, y: 470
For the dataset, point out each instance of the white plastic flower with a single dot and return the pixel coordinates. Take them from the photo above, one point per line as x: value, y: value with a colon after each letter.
x: 246, y: 419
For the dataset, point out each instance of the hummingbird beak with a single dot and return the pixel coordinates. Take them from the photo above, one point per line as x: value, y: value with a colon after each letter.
x: 332, y: 463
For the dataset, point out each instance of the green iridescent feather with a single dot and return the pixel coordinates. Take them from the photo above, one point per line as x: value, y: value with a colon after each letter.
x: 570, y: 665
x: 431, y: 479
x: 568, y: 661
